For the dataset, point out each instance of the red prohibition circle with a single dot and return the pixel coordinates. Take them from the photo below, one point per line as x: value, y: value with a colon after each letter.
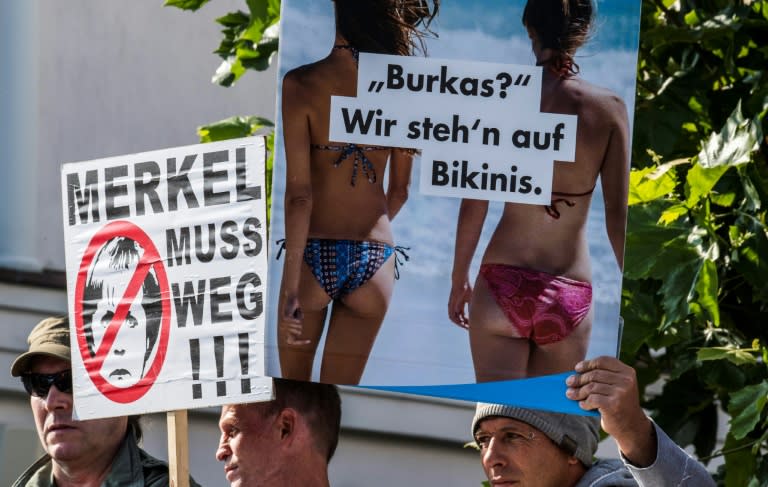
x: 150, y: 259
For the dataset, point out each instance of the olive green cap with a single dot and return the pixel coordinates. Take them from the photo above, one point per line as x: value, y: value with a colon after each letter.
x: 49, y: 338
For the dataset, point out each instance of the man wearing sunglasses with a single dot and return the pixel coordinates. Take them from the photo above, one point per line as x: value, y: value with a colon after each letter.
x: 77, y: 453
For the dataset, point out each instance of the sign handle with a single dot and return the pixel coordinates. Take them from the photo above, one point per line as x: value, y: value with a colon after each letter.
x: 178, y: 448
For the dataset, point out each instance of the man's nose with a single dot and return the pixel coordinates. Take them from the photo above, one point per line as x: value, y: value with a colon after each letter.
x: 57, y: 399
x: 493, y: 456
x: 223, y: 452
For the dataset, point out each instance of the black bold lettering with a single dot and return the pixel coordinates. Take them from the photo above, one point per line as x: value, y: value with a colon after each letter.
x: 539, y: 144
x: 147, y: 189
x: 189, y: 301
x: 249, y: 280
x: 83, y: 198
x: 228, y: 229
x: 394, y: 77
x: 244, y: 192
x: 487, y: 90
x: 525, y: 185
x: 179, y: 182
x: 251, y: 232
x: 521, y: 139
x: 469, y: 86
x: 350, y: 125
x: 178, y: 249
x: 112, y: 191
x: 439, y: 173
x: 467, y: 178
x: 446, y: 83
x: 211, y: 177
x: 413, y: 130
x: 217, y: 299
x: 207, y: 255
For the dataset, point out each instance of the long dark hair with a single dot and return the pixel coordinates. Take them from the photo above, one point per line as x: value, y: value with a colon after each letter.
x: 560, y: 25
x: 386, y: 26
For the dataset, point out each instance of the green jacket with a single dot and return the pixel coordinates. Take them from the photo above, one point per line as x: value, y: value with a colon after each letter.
x: 132, y: 467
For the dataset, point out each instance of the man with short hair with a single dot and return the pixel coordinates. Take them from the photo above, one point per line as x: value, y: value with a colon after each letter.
x: 90, y: 453
x: 286, y: 441
x: 527, y: 447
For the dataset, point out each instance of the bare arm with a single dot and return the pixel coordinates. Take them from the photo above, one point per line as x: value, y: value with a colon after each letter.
x: 607, y: 384
x: 614, y: 176
x: 470, y: 224
x: 400, y: 165
x: 298, y: 198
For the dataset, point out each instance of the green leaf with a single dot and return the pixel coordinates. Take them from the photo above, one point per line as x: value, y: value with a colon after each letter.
x: 650, y: 183
x: 646, y: 241
x: 679, y: 281
x: 228, y: 72
x: 700, y: 181
x: 752, y: 255
x: 707, y: 288
x: 672, y: 214
x: 238, y: 19
x: 232, y: 128
x: 185, y: 4
x: 735, y: 143
x: 746, y: 407
x: 739, y: 462
x: 732, y: 354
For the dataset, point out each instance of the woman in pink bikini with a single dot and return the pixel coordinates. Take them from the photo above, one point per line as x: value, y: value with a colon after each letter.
x: 530, y: 310
x: 339, y: 245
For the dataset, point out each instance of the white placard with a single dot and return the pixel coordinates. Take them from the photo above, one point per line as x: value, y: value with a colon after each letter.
x: 166, y: 278
x: 465, y: 116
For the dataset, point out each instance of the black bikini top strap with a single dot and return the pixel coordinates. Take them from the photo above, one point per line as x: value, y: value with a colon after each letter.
x: 552, y: 210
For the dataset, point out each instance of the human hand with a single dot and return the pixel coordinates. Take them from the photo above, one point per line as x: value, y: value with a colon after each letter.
x: 457, y: 303
x: 291, y: 322
x: 610, y: 386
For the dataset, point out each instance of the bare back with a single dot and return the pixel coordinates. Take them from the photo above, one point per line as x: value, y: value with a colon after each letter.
x: 348, y: 197
x: 555, y: 241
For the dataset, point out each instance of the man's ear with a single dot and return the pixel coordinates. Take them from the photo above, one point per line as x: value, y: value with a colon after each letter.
x: 286, y: 423
x: 572, y: 460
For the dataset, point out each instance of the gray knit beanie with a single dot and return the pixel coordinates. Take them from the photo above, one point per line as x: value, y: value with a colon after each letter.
x: 577, y: 435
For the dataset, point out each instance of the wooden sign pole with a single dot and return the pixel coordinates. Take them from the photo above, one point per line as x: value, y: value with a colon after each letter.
x: 178, y: 448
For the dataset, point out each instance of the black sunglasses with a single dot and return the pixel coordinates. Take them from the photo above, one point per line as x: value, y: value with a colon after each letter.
x: 39, y: 384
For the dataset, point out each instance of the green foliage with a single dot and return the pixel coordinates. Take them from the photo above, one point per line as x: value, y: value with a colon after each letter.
x: 232, y: 128
x: 192, y: 5
x: 695, y: 296
x: 250, y: 39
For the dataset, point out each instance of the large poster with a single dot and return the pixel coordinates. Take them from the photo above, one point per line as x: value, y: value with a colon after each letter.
x: 487, y: 170
x: 166, y: 278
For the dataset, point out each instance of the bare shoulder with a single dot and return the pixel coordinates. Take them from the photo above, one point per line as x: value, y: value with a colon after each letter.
x: 610, y: 104
x: 298, y: 80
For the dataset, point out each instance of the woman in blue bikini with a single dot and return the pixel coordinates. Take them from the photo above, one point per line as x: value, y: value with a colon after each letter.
x: 530, y: 310
x: 339, y: 243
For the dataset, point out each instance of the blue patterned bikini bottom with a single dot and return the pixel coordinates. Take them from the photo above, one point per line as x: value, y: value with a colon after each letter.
x: 341, y: 266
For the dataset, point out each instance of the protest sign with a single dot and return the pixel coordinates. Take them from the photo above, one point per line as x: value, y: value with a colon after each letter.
x: 515, y: 230
x: 166, y: 278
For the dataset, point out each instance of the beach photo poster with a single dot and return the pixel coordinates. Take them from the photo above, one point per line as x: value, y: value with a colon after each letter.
x: 508, y: 247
